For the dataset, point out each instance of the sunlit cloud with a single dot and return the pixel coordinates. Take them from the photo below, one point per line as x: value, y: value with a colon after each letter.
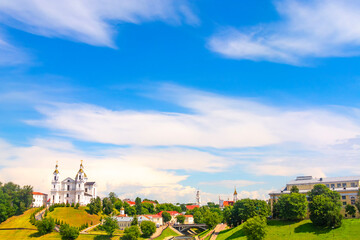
x: 89, y: 21
x: 308, y: 29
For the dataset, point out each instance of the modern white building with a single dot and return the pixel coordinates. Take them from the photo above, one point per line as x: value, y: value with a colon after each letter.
x: 39, y: 199
x: 78, y: 190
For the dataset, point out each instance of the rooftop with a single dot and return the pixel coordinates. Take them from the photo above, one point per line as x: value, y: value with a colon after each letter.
x: 310, y: 179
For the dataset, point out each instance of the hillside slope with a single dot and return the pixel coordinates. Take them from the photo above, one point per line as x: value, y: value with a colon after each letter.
x: 74, y: 217
x: 300, y: 230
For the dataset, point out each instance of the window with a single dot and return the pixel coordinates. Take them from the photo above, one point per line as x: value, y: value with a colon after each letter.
x: 79, y: 185
x: 67, y: 195
x: 79, y: 197
x: 332, y: 185
x: 85, y: 189
x: 327, y: 185
x: 352, y: 200
x: 55, y: 178
x: 54, y: 186
x: 338, y: 185
x: 344, y: 184
x: 353, y: 184
x: 68, y: 187
x: 343, y: 197
x: 344, y: 203
x: 68, y: 180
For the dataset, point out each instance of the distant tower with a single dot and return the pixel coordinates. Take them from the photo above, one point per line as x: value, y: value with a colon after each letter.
x: 235, y: 196
x: 198, y: 199
x: 122, y: 211
x: 80, y: 181
x: 55, y: 197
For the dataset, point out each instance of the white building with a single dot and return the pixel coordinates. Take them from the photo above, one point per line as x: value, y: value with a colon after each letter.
x: 39, y: 199
x: 77, y: 190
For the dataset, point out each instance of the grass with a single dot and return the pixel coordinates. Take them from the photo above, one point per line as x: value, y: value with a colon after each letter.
x: 74, y: 217
x: 167, y: 233
x: 22, y: 221
x: 279, y: 230
x: 202, y: 234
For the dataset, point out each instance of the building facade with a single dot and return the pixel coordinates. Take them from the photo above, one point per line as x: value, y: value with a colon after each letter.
x: 39, y: 199
x: 78, y: 190
x: 347, y: 187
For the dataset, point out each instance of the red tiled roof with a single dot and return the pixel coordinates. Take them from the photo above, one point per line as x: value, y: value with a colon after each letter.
x: 38, y: 193
x: 172, y: 213
x: 191, y: 207
x: 228, y: 203
x: 188, y: 216
x: 122, y: 215
x: 130, y: 202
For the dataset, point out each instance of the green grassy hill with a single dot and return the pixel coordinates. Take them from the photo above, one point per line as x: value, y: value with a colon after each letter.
x: 167, y: 233
x: 298, y: 231
x: 74, y: 217
x: 22, y: 221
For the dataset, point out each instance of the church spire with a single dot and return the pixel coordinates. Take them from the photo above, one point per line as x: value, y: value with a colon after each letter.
x: 235, y: 195
x: 56, y: 168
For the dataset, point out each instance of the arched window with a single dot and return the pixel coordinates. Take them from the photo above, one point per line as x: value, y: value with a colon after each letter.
x: 68, y: 187
x: 55, y: 178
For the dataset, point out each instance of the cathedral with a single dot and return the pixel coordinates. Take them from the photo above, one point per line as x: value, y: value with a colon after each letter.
x: 69, y: 190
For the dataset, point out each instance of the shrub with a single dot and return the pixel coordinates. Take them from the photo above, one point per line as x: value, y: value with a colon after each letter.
x: 292, y: 206
x: 69, y: 233
x: 131, y: 233
x: 324, y: 212
x: 67, y: 204
x: 45, y: 226
x: 255, y: 228
x: 110, y: 225
x: 72, y: 205
x: 148, y: 228
x: 77, y: 206
x: 180, y: 218
x: 350, y: 209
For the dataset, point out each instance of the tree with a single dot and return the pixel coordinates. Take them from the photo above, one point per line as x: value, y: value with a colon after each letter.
x: 227, y: 214
x: 211, y: 219
x: 248, y: 208
x: 198, y: 217
x: 138, y: 206
x: 107, y: 206
x: 357, y: 203
x: 95, y: 205
x: 350, y: 209
x: 113, y: 198
x: 110, y: 225
x: 321, y: 189
x: 166, y: 217
x: 294, y: 189
x: 325, y: 212
x: 292, y: 206
x: 131, y: 233
x: 68, y: 233
x: 255, y: 228
x: 148, y: 228
x: 134, y: 222
x: 45, y: 226
x: 180, y: 218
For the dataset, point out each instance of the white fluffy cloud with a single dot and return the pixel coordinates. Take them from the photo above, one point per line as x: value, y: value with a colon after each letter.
x: 210, y: 121
x: 89, y: 21
x: 317, y: 28
x: 128, y: 171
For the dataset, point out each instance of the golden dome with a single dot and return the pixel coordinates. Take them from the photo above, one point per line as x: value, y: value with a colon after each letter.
x: 56, y: 171
x: 235, y: 193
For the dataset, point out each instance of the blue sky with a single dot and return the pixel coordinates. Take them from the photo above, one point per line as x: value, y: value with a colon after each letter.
x: 160, y: 98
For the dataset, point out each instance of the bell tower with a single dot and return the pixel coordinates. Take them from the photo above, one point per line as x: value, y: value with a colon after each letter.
x: 235, y: 196
x: 80, y: 181
x: 55, y: 189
